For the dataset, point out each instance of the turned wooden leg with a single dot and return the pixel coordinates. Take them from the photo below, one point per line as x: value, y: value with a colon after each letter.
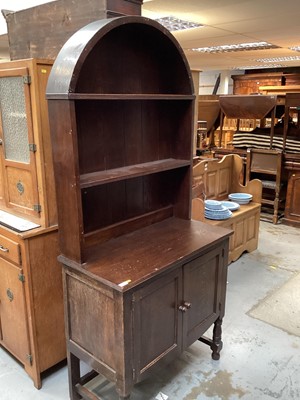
x: 217, y: 343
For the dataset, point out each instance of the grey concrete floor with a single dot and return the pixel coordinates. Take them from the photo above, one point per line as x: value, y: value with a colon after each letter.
x: 258, y: 361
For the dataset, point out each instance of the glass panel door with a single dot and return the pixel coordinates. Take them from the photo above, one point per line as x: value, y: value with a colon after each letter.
x: 17, y: 144
x: 14, y: 119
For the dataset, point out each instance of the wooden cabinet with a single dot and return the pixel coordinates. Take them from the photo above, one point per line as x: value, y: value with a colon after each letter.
x: 31, y: 308
x: 122, y: 129
x: 292, y: 205
x: 13, y: 311
x: 31, y: 303
x: 60, y: 19
x: 250, y: 83
x: 26, y: 168
x: 175, y: 291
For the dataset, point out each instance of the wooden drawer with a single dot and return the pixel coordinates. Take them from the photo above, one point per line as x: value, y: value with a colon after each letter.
x: 10, y: 250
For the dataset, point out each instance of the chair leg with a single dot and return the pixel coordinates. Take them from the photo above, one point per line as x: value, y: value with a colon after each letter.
x: 276, y: 207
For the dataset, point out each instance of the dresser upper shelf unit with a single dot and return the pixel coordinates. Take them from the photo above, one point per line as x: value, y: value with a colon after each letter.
x: 121, y: 106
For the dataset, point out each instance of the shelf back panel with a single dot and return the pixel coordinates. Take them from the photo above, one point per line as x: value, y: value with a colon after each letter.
x: 114, y: 134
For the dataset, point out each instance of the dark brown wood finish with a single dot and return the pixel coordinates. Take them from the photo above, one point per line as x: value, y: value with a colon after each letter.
x: 114, y: 137
x: 292, y: 205
x: 122, y: 125
x: 60, y: 19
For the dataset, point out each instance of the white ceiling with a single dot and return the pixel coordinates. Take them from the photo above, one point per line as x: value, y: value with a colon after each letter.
x: 225, y: 22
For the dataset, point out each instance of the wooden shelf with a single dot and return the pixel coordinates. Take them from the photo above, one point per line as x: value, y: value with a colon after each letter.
x: 131, y: 171
x: 129, y: 96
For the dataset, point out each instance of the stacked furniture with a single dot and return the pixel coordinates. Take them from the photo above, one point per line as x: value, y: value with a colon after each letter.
x: 209, y: 111
x: 31, y: 303
x: 260, y: 82
x: 253, y: 107
x: 292, y: 165
x: 283, y: 137
x: 267, y: 166
x: 60, y: 19
x: 121, y: 106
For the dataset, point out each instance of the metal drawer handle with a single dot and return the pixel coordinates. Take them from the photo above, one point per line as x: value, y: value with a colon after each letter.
x: 4, y: 249
x: 185, y: 306
x: 10, y: 294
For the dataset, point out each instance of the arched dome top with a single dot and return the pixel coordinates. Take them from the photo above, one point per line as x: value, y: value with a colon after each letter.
x: 125, y: 55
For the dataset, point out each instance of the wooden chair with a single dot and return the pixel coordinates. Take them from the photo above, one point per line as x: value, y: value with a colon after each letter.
x: 266, y: 165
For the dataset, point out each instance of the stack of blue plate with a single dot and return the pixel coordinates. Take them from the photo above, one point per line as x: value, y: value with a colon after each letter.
x: 240, y: 198
x: 215, y: 210
x: 231, y: 205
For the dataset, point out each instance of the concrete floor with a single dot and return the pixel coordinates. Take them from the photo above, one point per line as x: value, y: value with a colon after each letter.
x: 258, y: 361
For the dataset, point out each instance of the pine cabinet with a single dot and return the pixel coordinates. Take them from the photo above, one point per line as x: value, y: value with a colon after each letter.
x: 31, y: 301
x: 27, y: 180
x: 292, y: 205
x: 121, y: 106
x: 31, y: 308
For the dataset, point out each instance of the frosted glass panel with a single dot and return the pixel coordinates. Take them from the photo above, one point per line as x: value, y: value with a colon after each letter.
x: 14, y: 119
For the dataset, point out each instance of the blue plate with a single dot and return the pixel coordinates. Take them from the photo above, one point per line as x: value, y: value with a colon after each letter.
x: 213, y: 204
x: 217, y: 211
x: 240, y: 196
x: 231, y: 205
x: 218, y: 215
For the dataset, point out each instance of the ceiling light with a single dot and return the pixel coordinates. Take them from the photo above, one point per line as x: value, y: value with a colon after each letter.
x: 235, y: 47
x: 175, y: 24
x: 295, y: 48
x: 260, y: 66
x: 278, y: 59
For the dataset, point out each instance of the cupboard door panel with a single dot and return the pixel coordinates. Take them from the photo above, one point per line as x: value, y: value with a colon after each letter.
x: 292, y: 207
x: 16, y: 133
x: 19, y: 189
x: 157, y: 322
x: 14, y: 330
x: 202, y: 293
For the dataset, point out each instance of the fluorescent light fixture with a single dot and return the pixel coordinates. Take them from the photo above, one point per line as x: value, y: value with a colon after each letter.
x: 260, y: 66
x: 175, y: 24
x: 295, y: 48
x: 236, y: 47
x: 278, y: 59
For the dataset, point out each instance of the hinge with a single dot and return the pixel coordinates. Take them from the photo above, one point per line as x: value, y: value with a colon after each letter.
x: 133, y: 374
x: 27, y: 79
x: 21, y: 278
x: 20, y: 256
x: 32, y: 147
x: 37, y: 207
x: 29, y: 358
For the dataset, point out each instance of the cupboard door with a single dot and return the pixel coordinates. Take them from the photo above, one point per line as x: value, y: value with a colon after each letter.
x: 17, y: 144
x: 157, y: 323
x: 202, y: 294
x: 13, y: 319
x: 292, y: 206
